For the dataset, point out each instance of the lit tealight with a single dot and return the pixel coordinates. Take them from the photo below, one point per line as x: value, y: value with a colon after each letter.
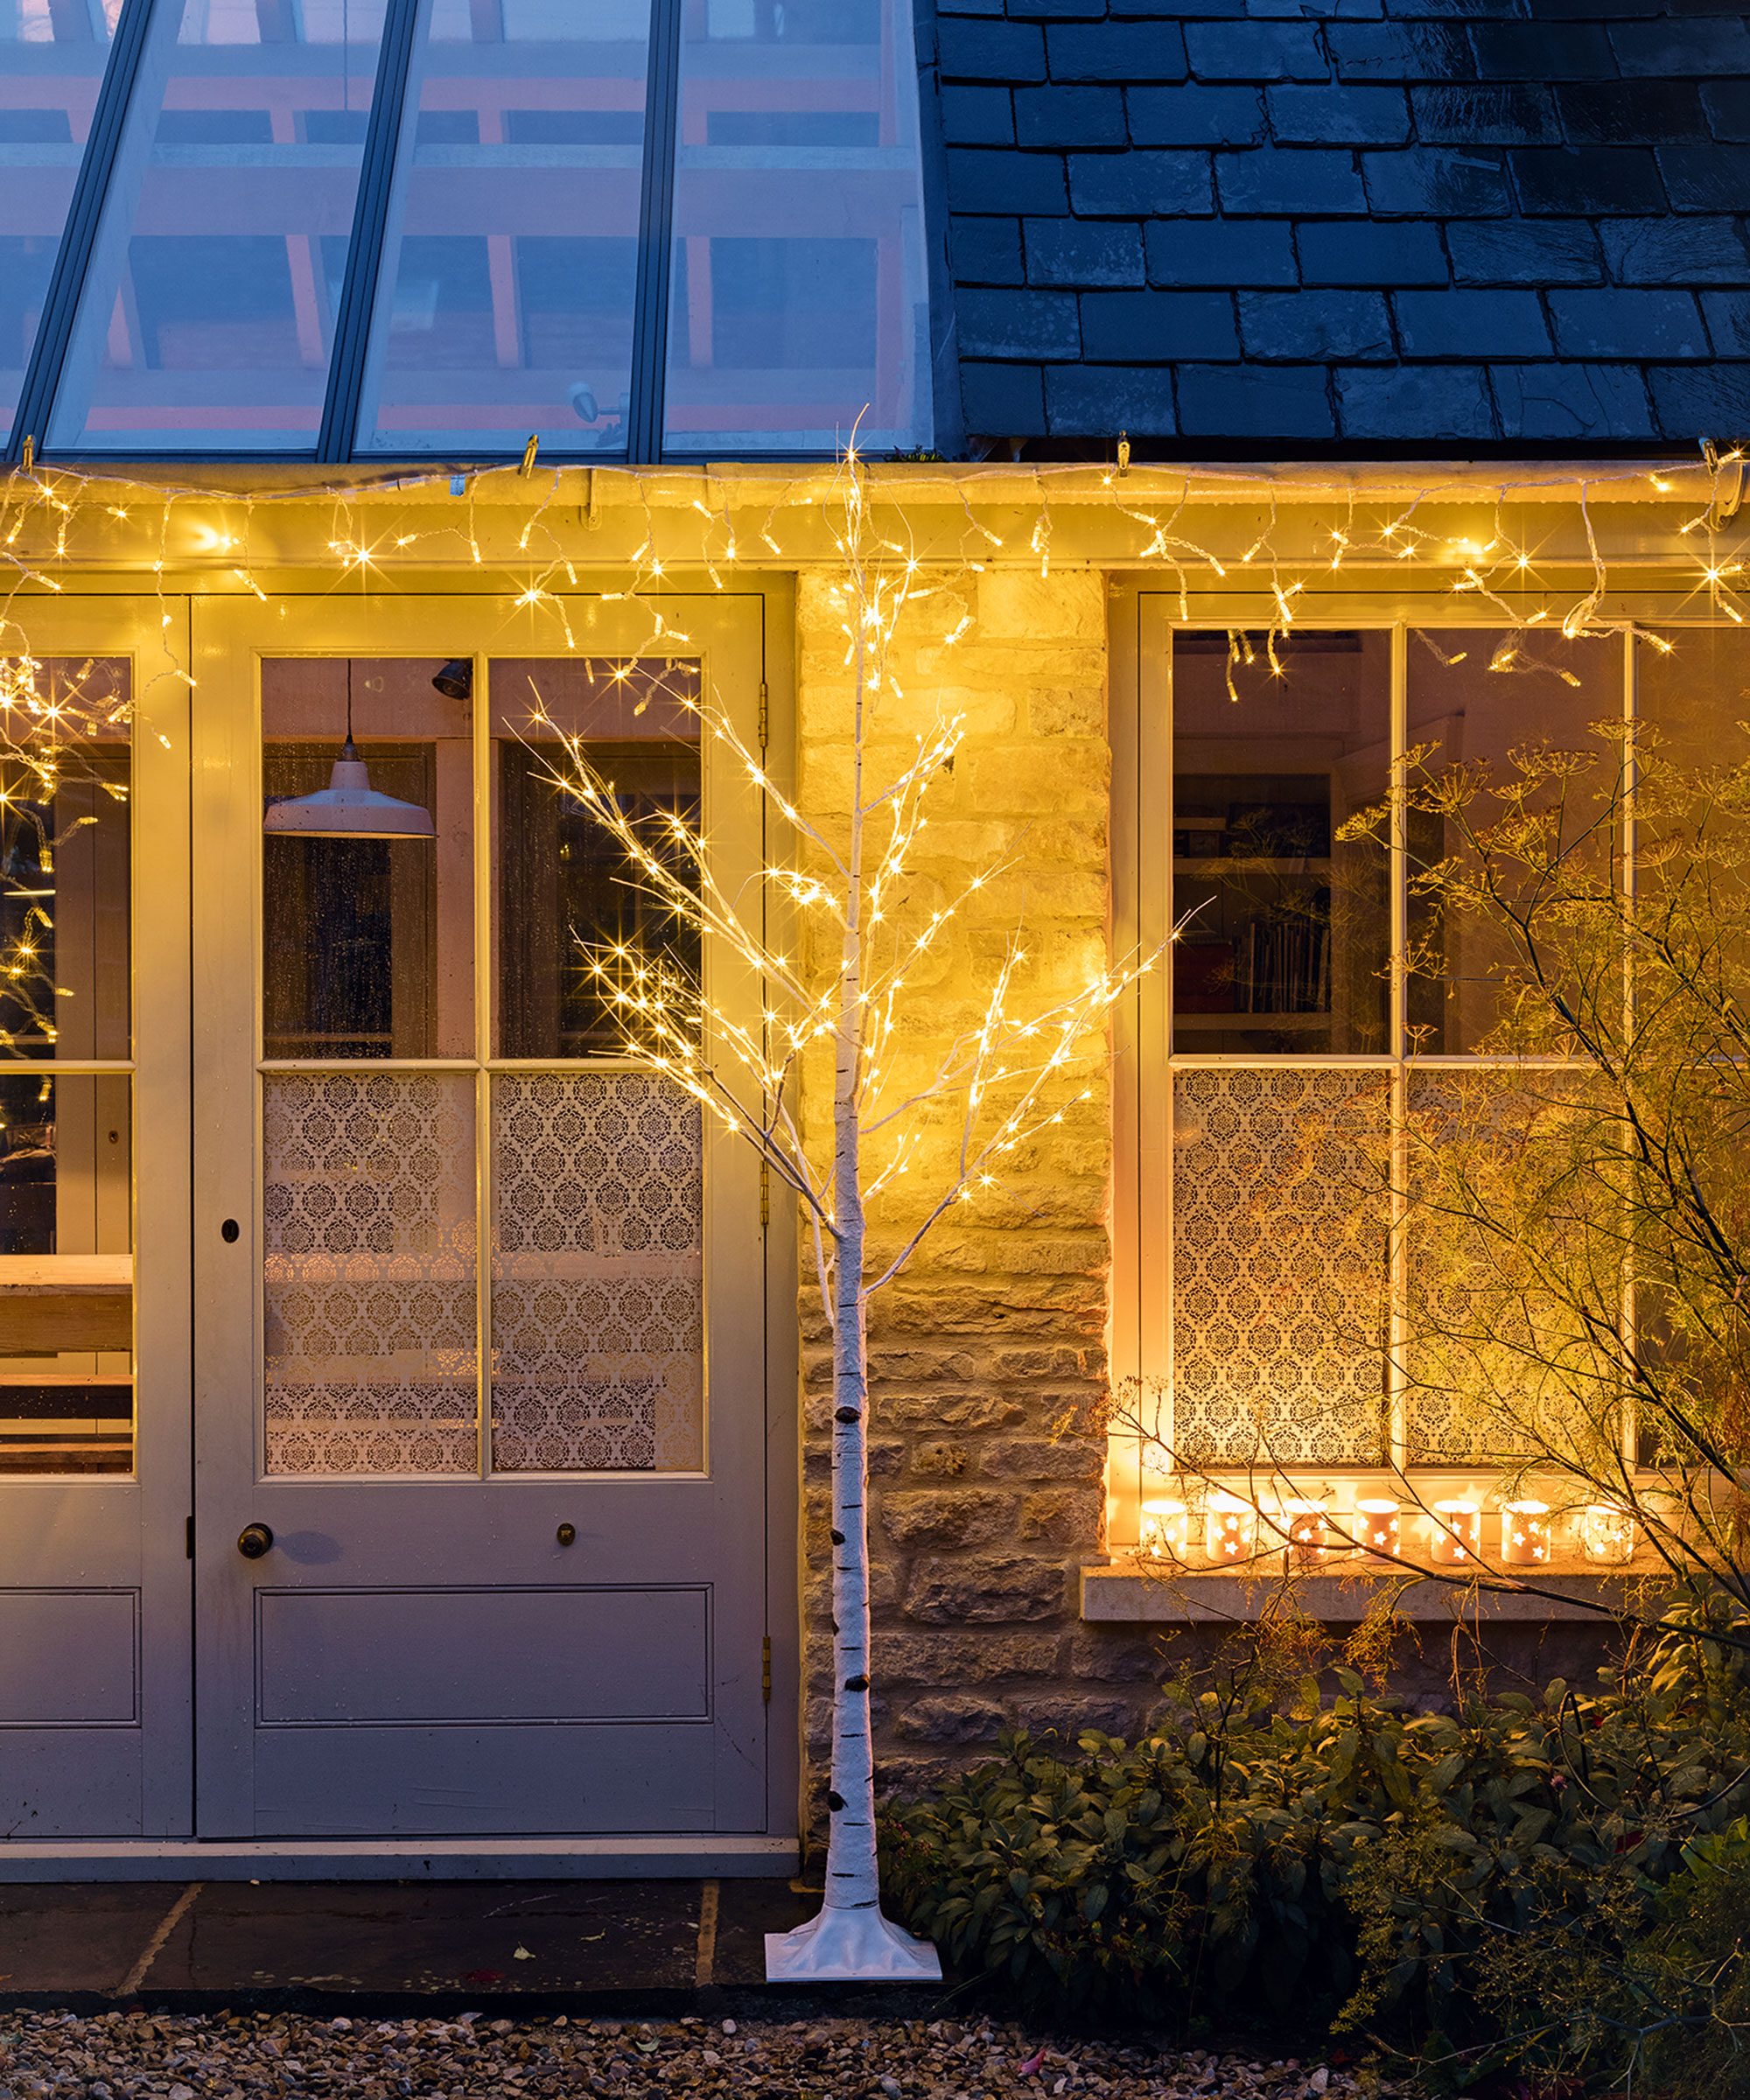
x: 1376, y: 1526
x: 1229, y: 1527
x: 1607, y: 1533
x: 1165, y: 1530
x: 1525, y: 1533
x: 1455, y: 1533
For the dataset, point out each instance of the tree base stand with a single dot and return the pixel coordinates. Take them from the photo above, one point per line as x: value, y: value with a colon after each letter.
x: 849, y: 1946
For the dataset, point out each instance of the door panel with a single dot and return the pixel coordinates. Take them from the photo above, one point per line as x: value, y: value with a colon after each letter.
x: 486, y: 1353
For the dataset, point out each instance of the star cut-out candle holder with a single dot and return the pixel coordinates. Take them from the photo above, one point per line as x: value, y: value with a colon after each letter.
x: 1378, y: 1527
x: 1455, y: 1533
x: 1307, y: 1529
x: 1229, y: 1529
x: 1165, y: 1530
x: 1525, y: 1534
x: 1607, y: 1533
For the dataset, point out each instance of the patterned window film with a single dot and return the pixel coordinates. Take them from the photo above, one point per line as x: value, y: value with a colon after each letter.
x: 597, y: 1274
x: 370, y: 1277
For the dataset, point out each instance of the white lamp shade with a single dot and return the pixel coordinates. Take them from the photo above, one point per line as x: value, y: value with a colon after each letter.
x: 348, y: 807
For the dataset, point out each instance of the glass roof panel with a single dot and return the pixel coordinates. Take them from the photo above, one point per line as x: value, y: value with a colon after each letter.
x: 505, y: 303
x: 53, y: 53
x: 798, y: 296
x: 207, y: 316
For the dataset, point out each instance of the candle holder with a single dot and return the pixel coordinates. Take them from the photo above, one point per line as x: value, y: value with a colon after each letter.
x: 1377, y: 1528
x: 1229, y: 1529
x: 1307, y: 1529
x: 1165, y: 1530
x: 1607, y: 1533
x: 1455, y: 1533
x: 1525, y: 1534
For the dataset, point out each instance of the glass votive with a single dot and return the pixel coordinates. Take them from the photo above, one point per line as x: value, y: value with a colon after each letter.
x: 1229, y: 1527
x: 1607, y: 1533
x: 1376, y: 1528
x: 1454, y: 1533
x: 1525, y: 1533
x: 1165, y: 1530
x: 1307, y: 1529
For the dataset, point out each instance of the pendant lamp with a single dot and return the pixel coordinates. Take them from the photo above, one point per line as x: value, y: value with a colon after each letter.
x: 348, y: 807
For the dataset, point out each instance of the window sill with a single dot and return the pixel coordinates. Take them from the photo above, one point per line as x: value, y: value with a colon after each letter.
x: 1117, y: 1594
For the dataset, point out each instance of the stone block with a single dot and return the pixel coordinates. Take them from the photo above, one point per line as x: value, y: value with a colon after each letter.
x: 1435, y: 182
x: 1327, y: 116
x: 1072, y: 252
x: 954, y: 1717
x: 1061, y: 710
x: 1542, y: 51
x: 1400, y: 50
x: 1706, y: 178
x: 1694, y: 399
x: 1126, y: 327
x: 987, y: 251
x: 1222, y: 252
x: 1472, y: 114
x: 1067, y: 1716
x: 1115, y: 50
x: 1255, y: 51
x: 1025, y: 324
x: 1612, y: 324
x: 957, y: 1659
x: 1512, y: 251
x: 1289, y: 181
x: 1033, y: 608
x: 989, y: 51
x: 1647, y: 50
x: 1071, y: 119
x: 978, y: 117
x: 1590, y: 181
x: 1044, y: 1459
x: 988, y: 1590
x: 1566, y: 404
x: 1471, y: 324
x: 1195, y: 116
x: 988, y: 179
x: 968, y: 1516
x: 1676, y: 251
x: 1065, y: 1516
x: 1632, y: 113
x: 1402, y: 403
x: 1117, y: 1655
x: 1311, y: 324
x: 1141, y: 184
x: 944, y: 1461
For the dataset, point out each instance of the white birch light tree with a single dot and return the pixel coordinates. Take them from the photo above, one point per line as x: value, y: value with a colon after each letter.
x: 946, y: 1105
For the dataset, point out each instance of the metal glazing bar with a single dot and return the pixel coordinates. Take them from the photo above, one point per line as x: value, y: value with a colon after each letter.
x: 1395, y: 1372
x: 370, y: 215
x: 1631, y: 768
x: 655, y: 235
x: 60, y: 307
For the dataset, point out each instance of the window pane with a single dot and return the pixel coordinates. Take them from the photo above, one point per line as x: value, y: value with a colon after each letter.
x: 506, y: 292
x: 800, y: 295
x: 560, y: 878
x: 52, y: 62
x: 208, y: 311
x: 1696, y: 695
x: 67, y: 1275
x: 1285, y: 927
x: 64, y: 860
x: 368, y: 942
x: 1475, y: 697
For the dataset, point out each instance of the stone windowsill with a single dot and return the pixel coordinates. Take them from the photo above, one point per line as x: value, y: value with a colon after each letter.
x: 1116, y: 1593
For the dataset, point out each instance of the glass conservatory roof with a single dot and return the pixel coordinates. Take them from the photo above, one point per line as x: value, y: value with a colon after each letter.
x: 334, y: 230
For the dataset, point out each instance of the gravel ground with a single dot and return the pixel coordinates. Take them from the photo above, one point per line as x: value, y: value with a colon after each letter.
x: 239, y: 2056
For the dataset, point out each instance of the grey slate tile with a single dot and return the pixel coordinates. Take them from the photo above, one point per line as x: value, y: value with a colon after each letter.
x: 1059, y: 11
x: 1727, y: 104
x: 1542, y: 51
x: 1572, y: 404
x: 1363, y: 251
x: 1338, y: 115
x: 1115, y: 50
x: 1255, y: 51
x: 1296, y: 326
x: 1474, y: 10
x: 1134, y: 327
x: 1692, y: 401
x: 1605, y: 325
x: 988, y: 179
x: 1285, y: 179
x: 1644, y: 50
x: 1507, y: 114
x: 1471, y: 324
x: 1706, y: 178
x: 1195, y: 116
x: 1633, y: 112
x: 1400, y: 50
x: 1248, y: 402
x: 1069, y: 118
x: 970, y: 7
x: 989, y: 51
x: 987, y: 251
x: 1219, y: 251
x: 1017, y: 323
x: 1141, y: 184
x: 1667, y: 251
x: 1085, y: 401
x: 1436, y: 182
x: 1595, y: 180
x: 1444, y: 404
x: 1518, y: 251
x: 1728, y: 322
x: 1080, y: 252
x: 977, y: 116
x: 1003, y: 401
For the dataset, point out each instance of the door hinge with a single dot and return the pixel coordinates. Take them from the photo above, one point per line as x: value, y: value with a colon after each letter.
x: 188, y: 1535
x: 765, y: 719
x: 765, y: 1194
x: 765, y: 1669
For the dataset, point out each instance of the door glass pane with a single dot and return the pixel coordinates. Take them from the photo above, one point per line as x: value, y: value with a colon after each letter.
x: 369, y: 1274
x: 64, y: 858
x: 504, y: 304
x: 800, y: 295
x: 67, y: 1275
x: 52, y: 62
x: 560, y: 881
x: 597, y: 1274
x: 368, y: 941
x: 1285, y: 930
x: 208, y: 310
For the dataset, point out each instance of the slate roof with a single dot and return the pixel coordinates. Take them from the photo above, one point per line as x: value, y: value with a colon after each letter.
x: 1288, y: 226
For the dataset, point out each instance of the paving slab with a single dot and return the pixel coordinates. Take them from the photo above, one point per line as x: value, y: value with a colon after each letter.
x: 75, y: 1936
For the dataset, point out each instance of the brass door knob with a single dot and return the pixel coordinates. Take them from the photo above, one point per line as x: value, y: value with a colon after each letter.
x: 254, y: 1540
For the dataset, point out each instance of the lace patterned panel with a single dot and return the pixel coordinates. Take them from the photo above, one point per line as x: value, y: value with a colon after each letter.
x: 1278, y: 1303
x: 597, y: 1274
x: 370, y: 1273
